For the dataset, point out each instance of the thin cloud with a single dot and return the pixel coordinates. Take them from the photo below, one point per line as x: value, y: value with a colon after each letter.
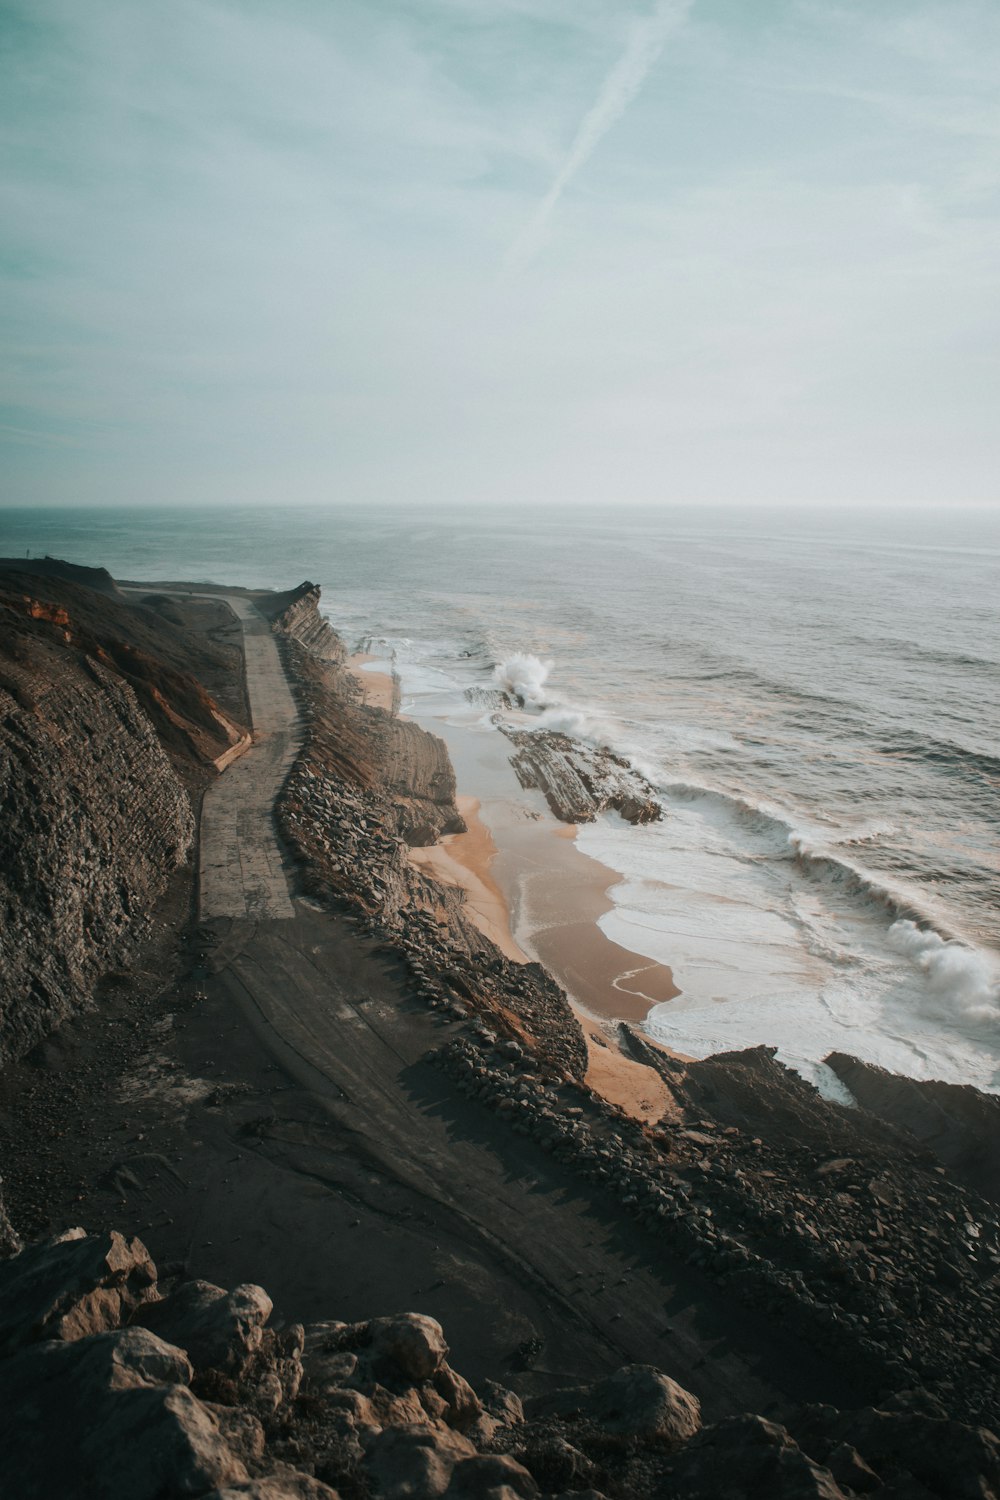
x: 646, y: 41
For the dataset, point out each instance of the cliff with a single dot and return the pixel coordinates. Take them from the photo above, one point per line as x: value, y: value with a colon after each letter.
x: 103, y: 734
x: 296, y: 614
x: 367, y: 787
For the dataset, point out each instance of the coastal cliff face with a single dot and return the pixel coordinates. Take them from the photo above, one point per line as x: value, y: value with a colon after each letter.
x: 96, y: 813
x: 366, y: 788
x: 94, y: 824
x: 296, y: 615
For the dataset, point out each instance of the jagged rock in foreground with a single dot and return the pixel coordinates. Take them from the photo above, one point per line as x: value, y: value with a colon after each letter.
x: 227, y: 1406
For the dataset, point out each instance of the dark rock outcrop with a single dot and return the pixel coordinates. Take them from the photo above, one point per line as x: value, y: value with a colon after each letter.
x: 54, y: 568
x: 104, y: 732
x: 221, y: 1330
x: 959, y: 1124
x: 579, y: 781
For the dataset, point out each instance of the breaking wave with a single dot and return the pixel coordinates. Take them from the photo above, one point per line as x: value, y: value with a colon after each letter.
x: 815, y: 852
x: 959, y: 982
x: 524, y: 676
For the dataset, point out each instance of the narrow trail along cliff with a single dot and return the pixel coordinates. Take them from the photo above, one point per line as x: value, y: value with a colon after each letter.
x: 241, y: 871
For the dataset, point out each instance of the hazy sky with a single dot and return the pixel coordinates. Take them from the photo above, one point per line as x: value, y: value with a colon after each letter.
x: 500, y: 249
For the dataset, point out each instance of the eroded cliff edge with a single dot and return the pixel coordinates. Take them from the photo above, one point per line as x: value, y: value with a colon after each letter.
x: 366, y: 788
x: 105, y: 737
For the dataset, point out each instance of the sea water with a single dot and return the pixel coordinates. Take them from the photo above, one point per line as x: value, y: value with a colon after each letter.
x: 815, y: 698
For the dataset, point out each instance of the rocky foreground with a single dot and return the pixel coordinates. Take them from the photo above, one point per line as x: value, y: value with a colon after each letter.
x: 113, y: 1383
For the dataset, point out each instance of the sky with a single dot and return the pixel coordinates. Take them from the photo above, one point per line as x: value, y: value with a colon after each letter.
x: 487, y: 252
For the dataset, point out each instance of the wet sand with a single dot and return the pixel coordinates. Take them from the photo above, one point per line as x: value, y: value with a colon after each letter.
x: 538, y: 896
x: 464, y: 859
x: 378, y: 688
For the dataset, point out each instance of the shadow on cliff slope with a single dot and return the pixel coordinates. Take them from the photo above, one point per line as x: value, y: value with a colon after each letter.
x: 105, y: 735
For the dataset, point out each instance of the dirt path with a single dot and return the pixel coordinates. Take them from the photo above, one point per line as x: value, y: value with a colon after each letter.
x: 241, y: 871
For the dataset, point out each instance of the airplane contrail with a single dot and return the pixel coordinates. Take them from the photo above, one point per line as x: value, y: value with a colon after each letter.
x: 646, y: 41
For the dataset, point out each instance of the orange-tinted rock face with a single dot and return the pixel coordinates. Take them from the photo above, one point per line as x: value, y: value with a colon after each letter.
x: 37, y: 609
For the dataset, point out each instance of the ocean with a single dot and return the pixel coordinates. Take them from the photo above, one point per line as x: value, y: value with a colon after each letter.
x: 814, y: 696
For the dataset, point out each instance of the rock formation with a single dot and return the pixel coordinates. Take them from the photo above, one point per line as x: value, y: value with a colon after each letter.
x: 296, y: 614
x: 96, y: 815
x: 958, y: 1123
x: 578, y: 780
x: 113, y: 1384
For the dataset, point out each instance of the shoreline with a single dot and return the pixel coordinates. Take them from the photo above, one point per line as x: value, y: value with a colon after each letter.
x: 538, y: 860
x: 378, y: 689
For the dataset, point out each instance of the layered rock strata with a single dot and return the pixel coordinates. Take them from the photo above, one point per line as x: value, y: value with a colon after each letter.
x: 96, y: 813
x: 842, y: 1229
x: 578, y: 781
x: 296, y: 614
x: 365, y: 789
x: 184, y: 1388
x: 95, y: 822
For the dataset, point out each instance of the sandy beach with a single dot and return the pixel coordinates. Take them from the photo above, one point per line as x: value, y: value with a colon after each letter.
x: 555, y: 894
x: 532, y: 891
x: 464, y: 860
x: 378, y: 688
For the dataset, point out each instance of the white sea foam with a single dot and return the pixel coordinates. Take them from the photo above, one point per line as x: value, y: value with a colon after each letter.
x: 763, y: 951
x: 775, y: 926
x: 960, y: 984
x: 525, y: 676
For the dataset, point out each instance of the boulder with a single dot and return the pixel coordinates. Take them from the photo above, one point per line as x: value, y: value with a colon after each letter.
x: 289, y: 1486
x: 502, y: 1405
x: 410, y: 1344
x: 93, y: 1418
x: 71, y: 1286
x: 637, y: 1401
x: 220, y: 1330
x: 462, y: 1406
x: 415, y: 1462
x: 745, y: 1457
